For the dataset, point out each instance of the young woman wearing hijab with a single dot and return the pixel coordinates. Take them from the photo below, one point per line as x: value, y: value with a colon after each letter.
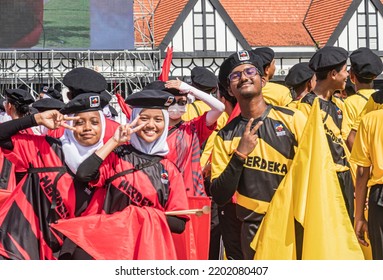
x: 48, y: 191
x: 138, y: 179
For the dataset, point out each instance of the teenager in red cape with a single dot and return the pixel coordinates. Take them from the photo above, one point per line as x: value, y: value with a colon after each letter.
x: 135, y: 175
x: 48, y: 191
x: 82, y: 80
x: 185, y: 141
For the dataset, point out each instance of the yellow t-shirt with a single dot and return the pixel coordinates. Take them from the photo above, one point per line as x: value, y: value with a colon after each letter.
x: 195, y: 109
x: 267, y: 164
x: 221, y: 122
x: 354, y: 105
x: 293, y: 104
x: 276, y: 94
x: 368, y: 146
x: 375, y: 102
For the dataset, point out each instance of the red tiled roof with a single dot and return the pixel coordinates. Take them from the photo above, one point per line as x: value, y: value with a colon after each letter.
x: 270, y: 22
x: 166, y: 14
x: 323, y: 17
x: 275, y: 34
x: 265, y: 22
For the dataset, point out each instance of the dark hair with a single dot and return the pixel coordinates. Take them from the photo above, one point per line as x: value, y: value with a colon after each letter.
x: 224, y: 93
x: 320, y: 76
x: 350, y: 90
x: 298, y: 89
x: 363, y: 80
x: 21, y: 109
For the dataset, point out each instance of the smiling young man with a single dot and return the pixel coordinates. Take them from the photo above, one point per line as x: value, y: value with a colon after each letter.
x: 254, y: 151
x: 329, y: 65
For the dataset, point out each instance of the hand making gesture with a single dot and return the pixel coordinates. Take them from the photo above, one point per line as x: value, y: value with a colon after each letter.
x: 249, y: 138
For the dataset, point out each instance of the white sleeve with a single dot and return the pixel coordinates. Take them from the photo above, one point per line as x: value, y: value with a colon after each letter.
x: 217, y: 107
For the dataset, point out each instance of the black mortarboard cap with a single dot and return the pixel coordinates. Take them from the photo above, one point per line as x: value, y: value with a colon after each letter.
x: 299, y: 74
x: 267, y: 54
x: 20, y: 96
x: 85, y: 80
x: 106, y: 95
x: 365, y: 63
x: 328, y: 58
x: 54, y: 93
x: 150, y: 98
x: 203, y: 79
x: 48, y: 104
x: 85, y: 102
x: 160, y: 85
x: 235, y: 59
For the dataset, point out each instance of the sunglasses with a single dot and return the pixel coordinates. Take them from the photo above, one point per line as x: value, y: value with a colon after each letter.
x: 249, y: 73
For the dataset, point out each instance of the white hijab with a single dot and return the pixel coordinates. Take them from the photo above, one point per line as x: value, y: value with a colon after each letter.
x: 74, y: 152
x: 160, y: 146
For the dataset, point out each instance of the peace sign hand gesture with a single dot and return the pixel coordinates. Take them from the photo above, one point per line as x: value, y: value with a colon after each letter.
x: 249, y: 138
x: 124, y: 132
x: 53, y: 119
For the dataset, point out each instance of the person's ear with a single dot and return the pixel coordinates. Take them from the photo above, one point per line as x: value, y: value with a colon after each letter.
x: 230, y: 92
x: 263, y: 81
x: 333, y: 74
x: 352, y: 76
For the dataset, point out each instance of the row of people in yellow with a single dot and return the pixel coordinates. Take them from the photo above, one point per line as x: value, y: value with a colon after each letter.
x: 251, y: 154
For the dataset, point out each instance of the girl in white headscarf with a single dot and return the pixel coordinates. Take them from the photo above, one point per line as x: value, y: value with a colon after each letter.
x: 46, y: 190
x: 132, y: 164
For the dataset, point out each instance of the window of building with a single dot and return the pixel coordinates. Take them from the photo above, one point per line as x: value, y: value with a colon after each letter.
x: 204, y: 26
x: 367, y: 22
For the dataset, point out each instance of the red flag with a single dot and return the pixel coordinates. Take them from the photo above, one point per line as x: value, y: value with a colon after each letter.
x: 132, y: 234
x: 124, y: 107
x: 164, y: 76
x: 193, y: 243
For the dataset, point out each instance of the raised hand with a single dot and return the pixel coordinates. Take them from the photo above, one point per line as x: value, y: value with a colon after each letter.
x: 53, y: 119
x: 249, y: 138
x: 173, y: 84
x: 124, y: 132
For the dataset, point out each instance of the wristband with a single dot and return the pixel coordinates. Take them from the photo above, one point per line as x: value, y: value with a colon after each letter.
x: 242, y: 156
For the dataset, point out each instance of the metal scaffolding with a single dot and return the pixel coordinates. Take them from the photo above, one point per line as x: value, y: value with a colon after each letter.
x: 125, y: 70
